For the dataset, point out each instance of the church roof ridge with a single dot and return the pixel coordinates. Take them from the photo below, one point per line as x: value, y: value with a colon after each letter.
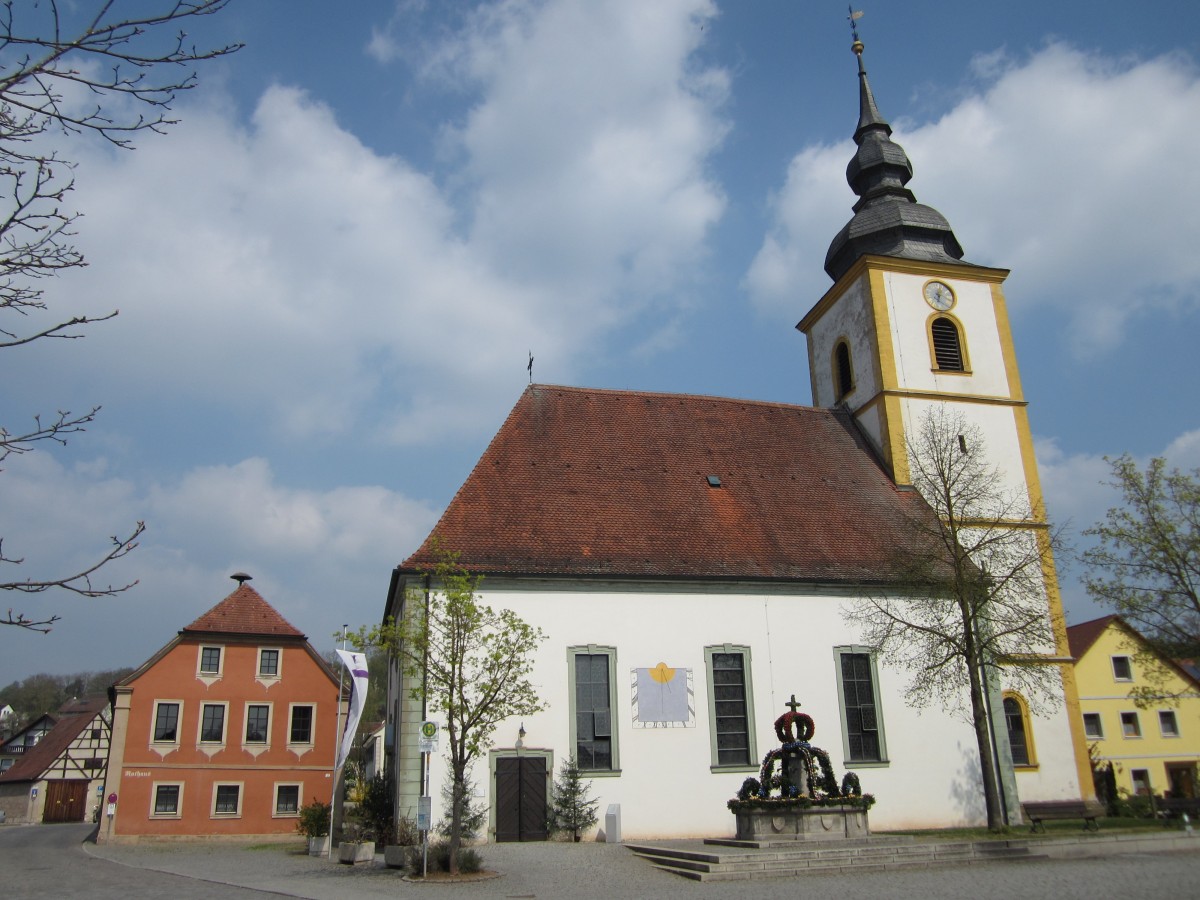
x: 633, y: 484
x: 633, y: 392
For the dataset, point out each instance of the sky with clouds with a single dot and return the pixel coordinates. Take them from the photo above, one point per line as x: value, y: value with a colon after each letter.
x: 331, y: 272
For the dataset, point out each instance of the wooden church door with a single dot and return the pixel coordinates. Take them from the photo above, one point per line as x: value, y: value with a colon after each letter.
x: 521, y: 798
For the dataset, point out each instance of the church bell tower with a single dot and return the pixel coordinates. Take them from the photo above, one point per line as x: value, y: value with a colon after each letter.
x: 908, y: 326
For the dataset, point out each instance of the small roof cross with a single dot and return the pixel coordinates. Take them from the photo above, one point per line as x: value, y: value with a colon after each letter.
x: 793, y: 704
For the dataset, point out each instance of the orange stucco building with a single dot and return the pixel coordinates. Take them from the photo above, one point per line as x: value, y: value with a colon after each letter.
x: 226, y: 731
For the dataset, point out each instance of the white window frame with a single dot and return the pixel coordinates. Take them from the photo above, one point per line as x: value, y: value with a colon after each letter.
x: 275, y: 813
x: 262, y: 676
x: 224, y: 704
x: 1137, y: 724
x: 154, y: 813
x: 1098, y: 734
x: 208, y: 674
x: 312, y: 733
x: 1165, y: 715
x: 1133, y: 782
x: 156, y: 742
x: 241, y: 799
x: 1128, y: 665
x: 266, y: 741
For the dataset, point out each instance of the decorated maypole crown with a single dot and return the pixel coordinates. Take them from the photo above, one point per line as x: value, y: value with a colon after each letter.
x: 798, y: 774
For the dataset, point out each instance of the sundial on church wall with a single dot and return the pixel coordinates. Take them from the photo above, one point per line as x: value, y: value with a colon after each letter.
x: 663, y: 697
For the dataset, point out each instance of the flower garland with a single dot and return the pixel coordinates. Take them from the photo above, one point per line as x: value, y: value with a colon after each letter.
x: 823, y: 790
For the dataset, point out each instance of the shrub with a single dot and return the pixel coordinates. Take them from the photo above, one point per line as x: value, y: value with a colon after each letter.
x: 314, y: 819
x: 469, y: 860
x: 377, y: 809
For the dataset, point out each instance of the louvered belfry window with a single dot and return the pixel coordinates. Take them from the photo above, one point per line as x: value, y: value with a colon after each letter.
x: 845, y: 375
x: 947, y: 349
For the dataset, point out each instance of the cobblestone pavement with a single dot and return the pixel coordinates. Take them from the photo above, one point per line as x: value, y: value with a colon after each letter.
x: 54, y: 861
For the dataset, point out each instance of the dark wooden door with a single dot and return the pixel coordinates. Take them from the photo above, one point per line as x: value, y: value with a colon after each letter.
x: 66, y: 801
x: 521, y: 798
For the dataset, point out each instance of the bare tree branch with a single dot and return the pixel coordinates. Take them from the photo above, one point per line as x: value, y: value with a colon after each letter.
x: 65, y: 70
x: 975, y: 598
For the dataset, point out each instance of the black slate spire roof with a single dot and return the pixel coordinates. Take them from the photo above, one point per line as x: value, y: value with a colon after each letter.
x: 888, y: 220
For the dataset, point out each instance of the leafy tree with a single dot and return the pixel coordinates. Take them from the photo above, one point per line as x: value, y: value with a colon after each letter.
x: 976, y: 598
x: 72, y: 69
x: 469, y: 662
x: 43, y: 693
x: 1146, y: 565
x: 573, y: 809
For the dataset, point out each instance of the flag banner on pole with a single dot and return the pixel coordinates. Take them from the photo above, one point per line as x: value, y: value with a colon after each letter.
x: 356, y: 663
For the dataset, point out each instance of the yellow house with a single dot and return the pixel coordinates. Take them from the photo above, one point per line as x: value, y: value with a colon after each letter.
x: 1153, y: 749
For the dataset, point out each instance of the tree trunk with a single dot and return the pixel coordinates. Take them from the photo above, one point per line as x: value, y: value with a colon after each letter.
x: 979, y: 721
x: 456, y: 814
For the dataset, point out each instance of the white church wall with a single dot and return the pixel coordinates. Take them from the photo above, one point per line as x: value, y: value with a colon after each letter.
x: 1000, y: 435
x: 666, y: 786
x: 1053, y: 775
x: 850, y: 318
x: 975, y: 313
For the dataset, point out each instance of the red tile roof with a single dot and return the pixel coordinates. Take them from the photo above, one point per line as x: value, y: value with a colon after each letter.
x: 73, y: 718
x: 244, y: 612
x: 1081, y: 637
x: 584, y: 482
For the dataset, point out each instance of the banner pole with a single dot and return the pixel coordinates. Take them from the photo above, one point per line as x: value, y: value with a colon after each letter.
x: 337, y: 744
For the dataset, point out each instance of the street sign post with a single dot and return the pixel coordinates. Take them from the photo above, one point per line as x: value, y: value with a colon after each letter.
x: 427, y: 743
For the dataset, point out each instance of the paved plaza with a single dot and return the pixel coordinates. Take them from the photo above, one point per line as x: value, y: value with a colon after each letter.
x: 55, y: 861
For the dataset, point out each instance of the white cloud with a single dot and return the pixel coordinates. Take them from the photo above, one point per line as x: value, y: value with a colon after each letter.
x: 278, y: 276
x: 293, y: 275
x: 1064, y: 167
x: 320, y: 557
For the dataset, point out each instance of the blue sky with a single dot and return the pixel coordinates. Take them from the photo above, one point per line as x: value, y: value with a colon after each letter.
x: 331, y: 272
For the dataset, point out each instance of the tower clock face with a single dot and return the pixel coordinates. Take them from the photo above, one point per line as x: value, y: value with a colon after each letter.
x: 939, y: 295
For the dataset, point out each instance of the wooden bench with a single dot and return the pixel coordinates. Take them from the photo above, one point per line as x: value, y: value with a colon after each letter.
x: 1040, y: 811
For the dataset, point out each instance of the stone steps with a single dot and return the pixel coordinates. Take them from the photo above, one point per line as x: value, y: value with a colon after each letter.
x: 729, y: 860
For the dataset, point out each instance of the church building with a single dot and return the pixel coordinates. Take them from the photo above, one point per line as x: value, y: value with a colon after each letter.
x: 691, y: 559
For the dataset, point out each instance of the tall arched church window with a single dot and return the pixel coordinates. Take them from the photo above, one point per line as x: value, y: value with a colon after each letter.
x: 947, y: 345
x: 843, y: 374
x: 1020, y: 736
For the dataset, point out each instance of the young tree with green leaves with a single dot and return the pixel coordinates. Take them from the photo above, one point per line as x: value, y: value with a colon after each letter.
x: 1146, y: 565
x: 469, y: 662
x: 975, y: 599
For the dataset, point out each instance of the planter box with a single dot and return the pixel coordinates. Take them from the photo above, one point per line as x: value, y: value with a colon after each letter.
x: 356, y: 852
x: 318, y: 846
x: 819, y: 823
x: 395, y: 856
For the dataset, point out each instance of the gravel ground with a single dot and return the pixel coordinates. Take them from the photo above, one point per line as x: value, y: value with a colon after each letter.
x: 611, y: 872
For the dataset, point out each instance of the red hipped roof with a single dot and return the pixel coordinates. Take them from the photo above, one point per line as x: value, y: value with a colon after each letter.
x: 244, y: 612
x: 582, y: 482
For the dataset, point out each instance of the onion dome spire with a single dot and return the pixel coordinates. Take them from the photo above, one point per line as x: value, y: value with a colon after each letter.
x: 888, y: 220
